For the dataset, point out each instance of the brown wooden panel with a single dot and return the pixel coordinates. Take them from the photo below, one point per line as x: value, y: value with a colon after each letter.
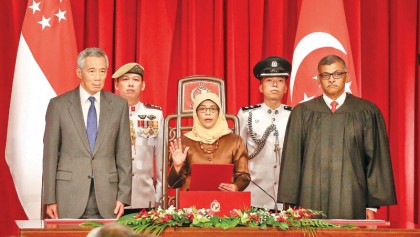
x: 370, y: 231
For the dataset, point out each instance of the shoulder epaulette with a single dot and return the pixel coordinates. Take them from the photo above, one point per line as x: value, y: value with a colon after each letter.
x: 150, y: 106
x: 251, y: 107
x: 288, y: 108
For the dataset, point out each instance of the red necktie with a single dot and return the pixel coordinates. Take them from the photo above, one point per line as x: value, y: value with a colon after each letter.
x: 334, y: 106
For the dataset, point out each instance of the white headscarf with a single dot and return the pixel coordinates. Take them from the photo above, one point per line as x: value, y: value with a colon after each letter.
x: 220, y: 128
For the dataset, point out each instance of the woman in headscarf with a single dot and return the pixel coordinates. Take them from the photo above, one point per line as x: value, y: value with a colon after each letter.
x: 210, y: 142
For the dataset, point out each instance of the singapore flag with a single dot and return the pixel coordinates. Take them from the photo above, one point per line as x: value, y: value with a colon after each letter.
x: 45, y: 67
x: 322, y: 30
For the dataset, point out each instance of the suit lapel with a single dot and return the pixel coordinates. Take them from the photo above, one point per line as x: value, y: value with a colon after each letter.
x: 104, y: 118
x: 76, y: 113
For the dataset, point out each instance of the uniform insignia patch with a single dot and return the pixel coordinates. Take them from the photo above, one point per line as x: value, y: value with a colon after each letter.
x: 150, y: 106
x: 151, y: 116
x: 290, y: 108
x: 246, y: 108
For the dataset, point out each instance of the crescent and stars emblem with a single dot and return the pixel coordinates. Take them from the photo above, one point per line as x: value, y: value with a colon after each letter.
x: 215, y: 206
x: 307, y: 45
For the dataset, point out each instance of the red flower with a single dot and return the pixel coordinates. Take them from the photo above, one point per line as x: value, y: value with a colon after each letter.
x: 281, y: 219
x: 142, y: 213
x: 190, y: 216
x: 254, y: 217
x: 234, y: 213
x: 167, y: 218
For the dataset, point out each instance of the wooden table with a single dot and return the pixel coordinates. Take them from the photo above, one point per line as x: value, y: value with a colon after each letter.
x: 37, y: 228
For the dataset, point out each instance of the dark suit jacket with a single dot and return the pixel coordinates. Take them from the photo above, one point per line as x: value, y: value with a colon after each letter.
x: 68, y: 161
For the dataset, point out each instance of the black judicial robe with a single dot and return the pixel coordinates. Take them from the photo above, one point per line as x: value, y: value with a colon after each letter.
x: 337, y: 162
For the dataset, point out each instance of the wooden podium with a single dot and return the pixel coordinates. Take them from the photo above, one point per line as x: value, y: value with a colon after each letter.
x: 219, y: 202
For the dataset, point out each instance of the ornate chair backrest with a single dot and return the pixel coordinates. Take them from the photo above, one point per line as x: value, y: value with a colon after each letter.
x: 179, y: 123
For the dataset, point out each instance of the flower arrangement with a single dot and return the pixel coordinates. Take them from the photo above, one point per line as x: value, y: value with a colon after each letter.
x: 155, y: 221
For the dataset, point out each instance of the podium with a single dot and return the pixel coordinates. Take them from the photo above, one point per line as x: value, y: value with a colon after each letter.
x: 219, y: 202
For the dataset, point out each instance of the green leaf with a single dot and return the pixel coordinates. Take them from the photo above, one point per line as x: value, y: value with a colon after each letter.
x: 283, y: 226
x: 159, y: 229
x: 127, y: 217
x: 244, y: 219
x: 91, y: 224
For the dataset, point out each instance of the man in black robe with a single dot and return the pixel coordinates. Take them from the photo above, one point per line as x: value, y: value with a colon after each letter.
x: 336, y: 152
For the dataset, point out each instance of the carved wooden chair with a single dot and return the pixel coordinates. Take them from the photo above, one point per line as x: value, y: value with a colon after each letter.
x: 180, y: 123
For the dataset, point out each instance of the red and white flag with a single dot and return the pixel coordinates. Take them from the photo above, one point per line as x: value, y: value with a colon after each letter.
x: 45, y: 67
x: 322, y: 30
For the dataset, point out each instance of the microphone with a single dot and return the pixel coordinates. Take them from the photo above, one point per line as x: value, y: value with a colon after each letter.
x: 275, y: 203
x: 258, y: 186
x: 159, y: 203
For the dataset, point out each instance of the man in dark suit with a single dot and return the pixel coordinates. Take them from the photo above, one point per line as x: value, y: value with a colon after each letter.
x: 87, y: 152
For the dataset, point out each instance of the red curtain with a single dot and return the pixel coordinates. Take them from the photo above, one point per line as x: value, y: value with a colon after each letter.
x: 225, y: 38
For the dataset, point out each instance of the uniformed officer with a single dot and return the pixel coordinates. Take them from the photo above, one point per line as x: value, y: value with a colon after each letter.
x: 146, y: 130
x: 262, y: 127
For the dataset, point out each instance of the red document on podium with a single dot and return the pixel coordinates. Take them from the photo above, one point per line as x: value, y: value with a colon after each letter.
x: 208, y: 177
x: 219, y: 202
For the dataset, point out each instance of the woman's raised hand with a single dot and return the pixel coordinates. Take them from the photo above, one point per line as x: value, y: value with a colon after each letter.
x: 178, y: 156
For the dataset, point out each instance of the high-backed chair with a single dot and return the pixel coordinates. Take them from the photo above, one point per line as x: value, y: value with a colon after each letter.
x: 179, y: 123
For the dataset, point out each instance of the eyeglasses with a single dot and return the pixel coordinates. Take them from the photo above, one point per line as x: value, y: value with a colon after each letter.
x: 203, y: 110
x: 335, y: 75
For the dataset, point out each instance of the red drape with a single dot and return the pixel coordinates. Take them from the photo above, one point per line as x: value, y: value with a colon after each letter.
x: 225, y: 38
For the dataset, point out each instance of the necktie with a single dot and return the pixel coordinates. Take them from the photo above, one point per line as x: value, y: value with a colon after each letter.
x: 334, y: 106
x: 92, y: 127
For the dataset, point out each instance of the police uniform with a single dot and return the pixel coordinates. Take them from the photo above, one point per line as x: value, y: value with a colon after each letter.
x: 263, y: 130
x: 146, y: 129
x: 146, y: 132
